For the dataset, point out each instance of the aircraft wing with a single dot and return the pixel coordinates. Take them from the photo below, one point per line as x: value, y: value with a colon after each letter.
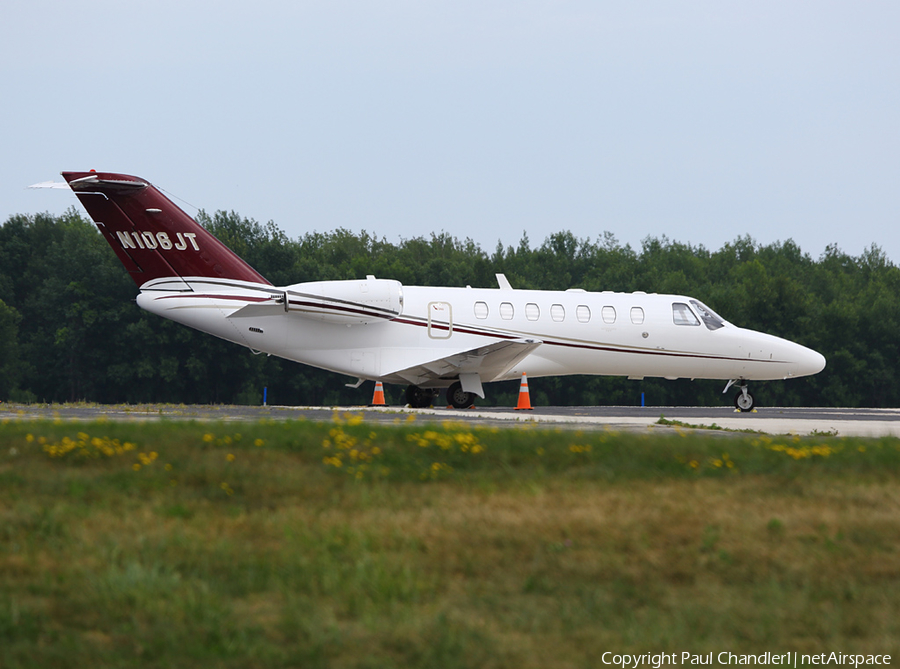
x: 484, y: 363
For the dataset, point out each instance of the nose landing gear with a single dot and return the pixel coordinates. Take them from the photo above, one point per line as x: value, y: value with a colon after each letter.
x: 743, y: 401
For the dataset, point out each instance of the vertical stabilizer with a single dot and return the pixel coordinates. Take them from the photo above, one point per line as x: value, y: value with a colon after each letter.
x: 152, y: 237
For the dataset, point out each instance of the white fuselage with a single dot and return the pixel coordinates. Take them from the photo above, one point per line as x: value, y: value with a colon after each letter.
x: 377, y: 329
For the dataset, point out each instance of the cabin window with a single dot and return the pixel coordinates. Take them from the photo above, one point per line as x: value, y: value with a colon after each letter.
x: 558, y: 313
x: 710, y: 318
x: 682, y: 314
x: 506, y: 311
x: 609, y: 315
x: 583, y: 314
x: 637, y: 315
x: 532, y: 311
x: 481, y: 310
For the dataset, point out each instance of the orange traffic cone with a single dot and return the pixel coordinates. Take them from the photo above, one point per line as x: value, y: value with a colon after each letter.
x: 524, y: 397
x: 378, y: 397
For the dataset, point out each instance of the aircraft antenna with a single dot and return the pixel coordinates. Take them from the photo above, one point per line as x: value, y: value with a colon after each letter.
x: 180, y: 199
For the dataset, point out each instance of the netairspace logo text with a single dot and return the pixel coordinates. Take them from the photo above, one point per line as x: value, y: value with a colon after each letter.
x: 793, y: 659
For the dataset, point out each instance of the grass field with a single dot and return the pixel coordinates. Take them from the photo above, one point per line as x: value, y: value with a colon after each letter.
x: 304, y: 544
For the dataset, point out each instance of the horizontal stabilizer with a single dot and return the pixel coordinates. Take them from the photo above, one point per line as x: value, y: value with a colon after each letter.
x: 489, y: 362
x: 93, y: 182
x: 51, y: 184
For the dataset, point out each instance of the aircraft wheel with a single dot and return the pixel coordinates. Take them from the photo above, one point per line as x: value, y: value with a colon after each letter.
x: 419, y: 398
x: 744, y: 401
x: 459, y: 398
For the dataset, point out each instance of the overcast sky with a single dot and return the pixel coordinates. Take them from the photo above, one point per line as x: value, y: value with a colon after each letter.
x: 702, y: 121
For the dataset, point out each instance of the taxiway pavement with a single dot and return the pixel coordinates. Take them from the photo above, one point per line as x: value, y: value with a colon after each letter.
x: 772, y: 420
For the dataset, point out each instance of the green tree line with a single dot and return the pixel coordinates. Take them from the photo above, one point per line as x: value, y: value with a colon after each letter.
x: 70, y: 330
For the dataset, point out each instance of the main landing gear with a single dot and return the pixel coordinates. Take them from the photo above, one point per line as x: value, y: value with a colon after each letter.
x: 743, y: 401
x: 459, y: 398
x: 420, y: 398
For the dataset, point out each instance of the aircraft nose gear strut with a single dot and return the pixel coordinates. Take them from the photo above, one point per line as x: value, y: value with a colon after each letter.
x: 743, y: 400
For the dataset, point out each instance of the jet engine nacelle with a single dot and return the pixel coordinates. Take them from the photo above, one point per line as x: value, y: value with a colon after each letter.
x: 354, y: 302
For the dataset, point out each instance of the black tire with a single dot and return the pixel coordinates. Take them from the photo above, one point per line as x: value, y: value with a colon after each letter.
x: 419, y: 398
x: 459, y: 398
x: 743, y: 402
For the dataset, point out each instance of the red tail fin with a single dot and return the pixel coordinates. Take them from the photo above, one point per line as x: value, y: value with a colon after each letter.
x: 151, y: 236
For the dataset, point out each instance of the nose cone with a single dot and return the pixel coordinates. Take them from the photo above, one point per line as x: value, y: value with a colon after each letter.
x: 806, y: 362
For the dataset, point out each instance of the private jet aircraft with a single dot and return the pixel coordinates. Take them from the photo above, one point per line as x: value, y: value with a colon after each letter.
x: 424, y: 337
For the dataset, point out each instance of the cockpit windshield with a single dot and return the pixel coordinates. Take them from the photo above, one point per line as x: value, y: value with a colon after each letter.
x: 682, y: 314
x: 710, y: 318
